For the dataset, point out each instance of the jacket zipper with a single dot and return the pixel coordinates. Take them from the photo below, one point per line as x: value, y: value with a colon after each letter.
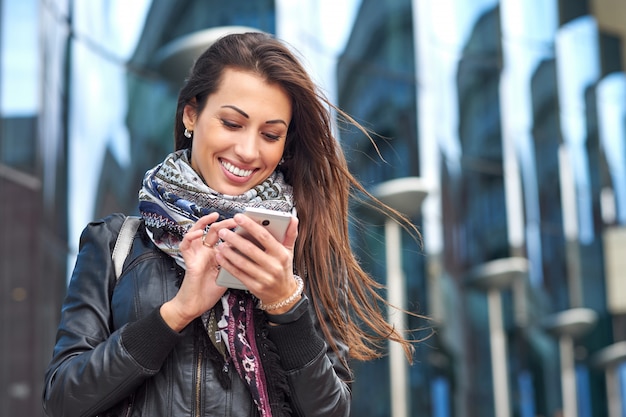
x: 129, y: 407
x: 198, y: 382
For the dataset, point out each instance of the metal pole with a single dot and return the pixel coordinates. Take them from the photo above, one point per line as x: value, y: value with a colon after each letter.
x: 568, y: 376
x: 499, y: 366
x: 398, y: 375
x: 613, y: 394
x: 611, y: 359
x: 404, y: 195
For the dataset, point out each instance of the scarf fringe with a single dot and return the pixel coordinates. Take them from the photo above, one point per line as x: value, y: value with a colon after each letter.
x: 275, y: 375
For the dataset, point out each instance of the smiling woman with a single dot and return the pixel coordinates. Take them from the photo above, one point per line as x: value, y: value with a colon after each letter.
x: 251, y: 132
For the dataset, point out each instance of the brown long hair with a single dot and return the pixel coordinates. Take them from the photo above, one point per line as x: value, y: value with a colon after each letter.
x: 314, y: 164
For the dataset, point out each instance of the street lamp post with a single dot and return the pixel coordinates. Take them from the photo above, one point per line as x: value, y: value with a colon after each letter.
x: 567, y: 326
x: 609, y: 359
x: 406, y: 196
x: 493, y: 277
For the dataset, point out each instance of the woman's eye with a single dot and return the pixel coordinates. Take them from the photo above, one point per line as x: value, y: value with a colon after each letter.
x: 229, y: 124
x: 272, y: 136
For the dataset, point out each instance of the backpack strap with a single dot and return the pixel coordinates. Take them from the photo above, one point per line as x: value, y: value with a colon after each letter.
x: 124, y: 242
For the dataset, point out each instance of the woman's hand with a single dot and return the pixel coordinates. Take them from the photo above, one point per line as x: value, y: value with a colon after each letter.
x: 198, y: 292
x: 268, y: 274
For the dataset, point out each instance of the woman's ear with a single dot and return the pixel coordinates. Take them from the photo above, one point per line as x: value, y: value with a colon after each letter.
x: 189, y: 116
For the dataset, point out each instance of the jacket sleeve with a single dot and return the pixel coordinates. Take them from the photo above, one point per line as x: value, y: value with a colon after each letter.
x: 94, y: 367
x: 317, y: 375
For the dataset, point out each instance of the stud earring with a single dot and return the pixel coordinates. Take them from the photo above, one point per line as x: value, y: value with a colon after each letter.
x: 188, y: 133
x: 282, y: 160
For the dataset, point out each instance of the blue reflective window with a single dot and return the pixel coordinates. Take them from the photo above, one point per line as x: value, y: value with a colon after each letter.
x: 19, y: 71
x: 526, y: 394
x: 440, y: 391
x: 19, y: 83
x: 622, y: 386
x: 583, y: 391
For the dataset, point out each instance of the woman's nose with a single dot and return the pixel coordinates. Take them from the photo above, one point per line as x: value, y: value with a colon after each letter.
x: 247, y: 148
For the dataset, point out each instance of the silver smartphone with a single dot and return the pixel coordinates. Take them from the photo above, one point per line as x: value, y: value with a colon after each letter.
x: 276, y: 222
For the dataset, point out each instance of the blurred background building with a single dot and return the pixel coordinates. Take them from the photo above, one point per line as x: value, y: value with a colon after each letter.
x: 511, y: 113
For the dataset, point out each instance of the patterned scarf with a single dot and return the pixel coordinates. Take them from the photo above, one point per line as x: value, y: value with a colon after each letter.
x: 173, y: 197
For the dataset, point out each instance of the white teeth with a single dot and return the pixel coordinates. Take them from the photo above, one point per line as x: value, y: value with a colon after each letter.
x: 236, y: 171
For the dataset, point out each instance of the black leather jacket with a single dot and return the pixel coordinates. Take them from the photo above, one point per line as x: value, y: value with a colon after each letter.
x: 114, y: 355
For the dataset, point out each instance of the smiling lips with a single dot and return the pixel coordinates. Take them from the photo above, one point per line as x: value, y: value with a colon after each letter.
x: 236, y: 171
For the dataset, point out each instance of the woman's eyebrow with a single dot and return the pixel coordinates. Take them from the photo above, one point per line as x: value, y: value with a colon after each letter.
x: 276, y: 121
x: 244, y: 114
x: 237, y: 109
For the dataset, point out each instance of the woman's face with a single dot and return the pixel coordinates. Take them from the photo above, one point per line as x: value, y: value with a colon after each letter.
x: 239, y: 137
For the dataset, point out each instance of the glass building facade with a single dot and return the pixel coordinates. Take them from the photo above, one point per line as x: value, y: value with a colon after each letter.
x: 512, y: 112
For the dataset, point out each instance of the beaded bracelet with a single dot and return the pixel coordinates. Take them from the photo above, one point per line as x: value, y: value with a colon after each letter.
x: 280, y: 304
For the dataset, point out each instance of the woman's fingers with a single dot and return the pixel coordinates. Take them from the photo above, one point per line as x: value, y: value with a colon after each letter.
x: 292, y: 234
x: 242, y: 252
x: 205, y: 230
x: 205, y: 221
x: 263, y: 236
x: 263, y: 271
